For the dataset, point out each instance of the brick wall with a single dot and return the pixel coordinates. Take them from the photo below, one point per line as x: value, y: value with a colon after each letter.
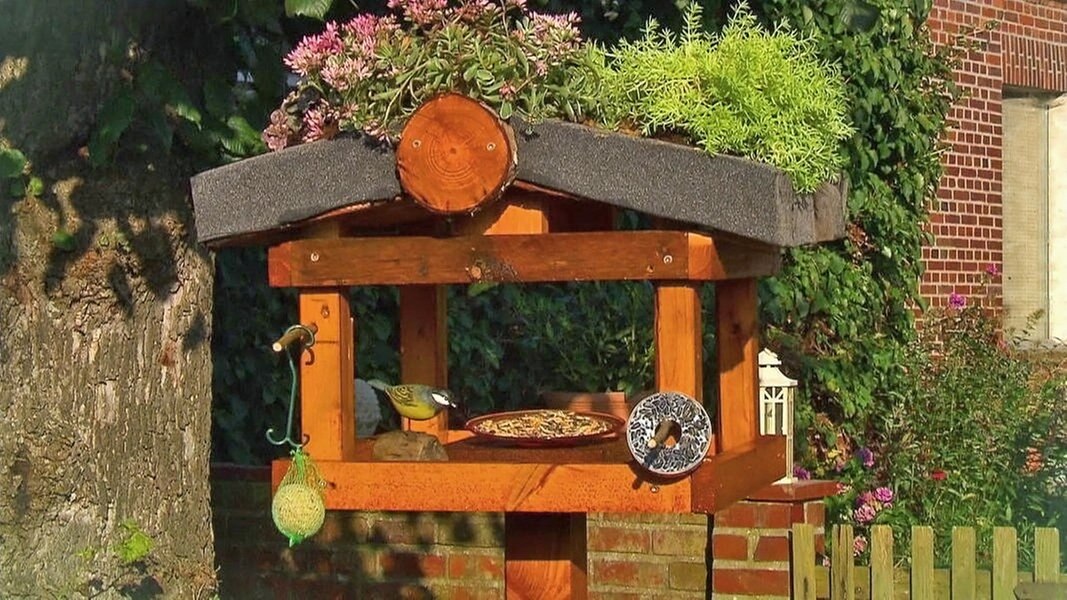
x: 1028, y: 49
x: 459, y: 556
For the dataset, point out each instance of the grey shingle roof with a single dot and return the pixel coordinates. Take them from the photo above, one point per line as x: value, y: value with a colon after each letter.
x: 719, y: 193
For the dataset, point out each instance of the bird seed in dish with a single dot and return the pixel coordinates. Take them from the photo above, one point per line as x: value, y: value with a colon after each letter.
x: 544, y: 425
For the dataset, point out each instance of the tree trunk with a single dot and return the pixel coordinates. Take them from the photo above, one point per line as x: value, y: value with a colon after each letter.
x: 105, y: 371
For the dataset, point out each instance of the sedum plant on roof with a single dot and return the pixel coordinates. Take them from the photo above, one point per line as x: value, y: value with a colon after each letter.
x: 759, y: 94
x: 371, y: 73
x: 749, y: 92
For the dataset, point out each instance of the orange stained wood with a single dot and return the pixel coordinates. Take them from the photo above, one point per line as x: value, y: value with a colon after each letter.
x: 545, y: 556
x: 737, y: 473
x: 576, y: 480
x: 619, y: 255
x: 518, y: 212
x: 455, y: 154
x: 679, y: 339
x: 424, y: 348
x: 327, y: 414
x: 737, y: 336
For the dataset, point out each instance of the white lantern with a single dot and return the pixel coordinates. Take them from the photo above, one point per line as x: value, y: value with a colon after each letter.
x: 776, y: 392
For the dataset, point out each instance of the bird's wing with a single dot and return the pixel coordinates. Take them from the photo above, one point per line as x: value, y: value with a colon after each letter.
x: 404, y: 395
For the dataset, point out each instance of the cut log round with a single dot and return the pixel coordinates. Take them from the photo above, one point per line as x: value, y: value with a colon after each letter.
x: 455, y: 155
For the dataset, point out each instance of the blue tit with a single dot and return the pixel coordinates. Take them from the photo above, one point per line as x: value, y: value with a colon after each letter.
x: 415, y: 400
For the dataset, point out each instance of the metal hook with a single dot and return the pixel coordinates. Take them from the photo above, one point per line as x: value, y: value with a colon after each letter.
x: 288, y: 438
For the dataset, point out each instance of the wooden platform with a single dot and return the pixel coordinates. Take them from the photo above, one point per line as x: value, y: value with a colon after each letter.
x: 594, y: 478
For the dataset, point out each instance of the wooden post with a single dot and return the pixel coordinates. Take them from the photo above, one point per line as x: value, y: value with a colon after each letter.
x: 545, y: 556
x: 737, y: 336
x: 679, y: 339
x: 424, y: 348
x: 327, y: 373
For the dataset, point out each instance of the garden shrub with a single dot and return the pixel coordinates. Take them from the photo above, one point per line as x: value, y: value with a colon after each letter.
x: 746, y: 91
x: 977, y: 438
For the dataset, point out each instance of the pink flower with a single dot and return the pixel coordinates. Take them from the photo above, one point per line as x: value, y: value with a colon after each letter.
x: 507, y: 91
x: 957, y: 301
x: 277, y: 135
x: 938, y: 475
x: 865, y: 514
x: 992, y: 270
x: 317, y: 122
x: 859, y: 545
x: 311, y: 53
x: 883, y: 495
x: 420, y: 12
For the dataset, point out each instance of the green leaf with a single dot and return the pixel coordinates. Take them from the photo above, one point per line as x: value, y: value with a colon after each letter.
x: 35, y: 187
x: 17, y: 189
x: 136, y: 545
x: 218, y: 97
x: 316, y: 9
x: 506, y: 110
x: 63, y: 240
x: 111, y: 122
x: 12, y: 162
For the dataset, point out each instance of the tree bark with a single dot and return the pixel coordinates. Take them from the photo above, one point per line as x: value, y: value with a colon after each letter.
x: 105, y: 383
x: 105, y: 370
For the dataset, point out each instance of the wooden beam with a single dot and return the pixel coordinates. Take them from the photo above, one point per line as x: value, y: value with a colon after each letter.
x: 545, y: 556
x: 424, y: 348
x: 518, y: 212
x: 679, y: 339
x: 499, y: 487
x: 629, y: 255
x: 327, y: 373
x: 735, y: 474
x: 480, y: 477
x: 737, y: 336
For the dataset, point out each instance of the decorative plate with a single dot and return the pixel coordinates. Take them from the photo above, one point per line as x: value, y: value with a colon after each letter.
x: 545, y: 428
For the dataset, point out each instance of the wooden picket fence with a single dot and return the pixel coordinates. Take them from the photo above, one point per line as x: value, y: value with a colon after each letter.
x: 962, y: 581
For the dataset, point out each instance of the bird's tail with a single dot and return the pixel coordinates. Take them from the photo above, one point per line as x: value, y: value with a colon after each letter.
x: 378, y: 384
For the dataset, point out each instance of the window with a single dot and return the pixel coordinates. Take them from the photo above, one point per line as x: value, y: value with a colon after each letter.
x: 1035, y: 214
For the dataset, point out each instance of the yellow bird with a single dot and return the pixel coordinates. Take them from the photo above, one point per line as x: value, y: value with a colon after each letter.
x: 415, y: 400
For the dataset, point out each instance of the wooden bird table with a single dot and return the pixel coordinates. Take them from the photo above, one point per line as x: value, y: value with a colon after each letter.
x: 458, y: 206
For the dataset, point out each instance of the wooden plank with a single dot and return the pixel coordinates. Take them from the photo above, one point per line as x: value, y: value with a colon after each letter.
x: 679, y: 339
x: 545, y: 556
x: 714, y: 486
x: 842, y: 574
x: 1005, y: 563
x: 519, y: 212
x: 1046, y: 555
x: 963, y: 564
x: 424, y: 348
x: 327, y: 373
x: 802, y: 554
x: 737, y: 336
x: 1041, y: 591
x: 622, y: 255
x: 922, y: 563
x: 881, y: 562
x: 488, y: 478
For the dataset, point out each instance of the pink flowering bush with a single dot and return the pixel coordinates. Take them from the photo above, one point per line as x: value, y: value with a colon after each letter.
x: 976, y: 435
x: 370, y: 73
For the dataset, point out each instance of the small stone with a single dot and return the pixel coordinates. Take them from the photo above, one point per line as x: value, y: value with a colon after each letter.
x: 408, y: 446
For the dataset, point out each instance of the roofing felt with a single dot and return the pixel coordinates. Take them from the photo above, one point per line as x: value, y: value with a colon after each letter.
x: 716, y: 192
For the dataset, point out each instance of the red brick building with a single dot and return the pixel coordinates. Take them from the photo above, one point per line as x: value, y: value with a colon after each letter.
x: 1003, y: 199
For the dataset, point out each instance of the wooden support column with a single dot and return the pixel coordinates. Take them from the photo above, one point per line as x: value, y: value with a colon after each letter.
x: 737, y: 335
x: 679, y: 339
x: 327, y: 373
x: 545, y: 556
x: 424, y: 348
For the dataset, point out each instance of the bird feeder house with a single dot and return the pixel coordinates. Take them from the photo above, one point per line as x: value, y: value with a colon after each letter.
x: 466, y: 197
